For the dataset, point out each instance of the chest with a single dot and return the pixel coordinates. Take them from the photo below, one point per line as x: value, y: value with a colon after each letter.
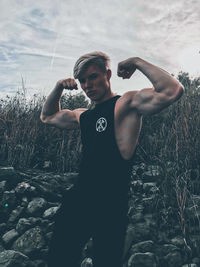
x: 97, y: 128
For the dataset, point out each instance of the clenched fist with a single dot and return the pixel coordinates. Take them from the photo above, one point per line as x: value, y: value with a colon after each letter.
x: 126, y: 68
x: 68, y: 84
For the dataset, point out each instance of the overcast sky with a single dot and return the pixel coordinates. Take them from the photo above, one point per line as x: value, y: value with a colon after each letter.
x: 40, y: 40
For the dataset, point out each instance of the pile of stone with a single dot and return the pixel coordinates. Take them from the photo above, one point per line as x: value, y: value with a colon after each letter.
x: 29, y: 201
x: 150, y: 242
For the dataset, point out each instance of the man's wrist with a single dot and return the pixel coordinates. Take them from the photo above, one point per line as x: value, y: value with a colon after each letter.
x: 136, y: 61
x: 59, y: 87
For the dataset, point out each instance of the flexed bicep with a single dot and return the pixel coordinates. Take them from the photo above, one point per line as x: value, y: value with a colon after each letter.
x: 165, y: 91
x: 65, y: 119
x: 147, y: 101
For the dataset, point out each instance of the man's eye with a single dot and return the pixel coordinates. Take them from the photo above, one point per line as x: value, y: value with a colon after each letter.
x: 93, y: 76
x: 82, y: 81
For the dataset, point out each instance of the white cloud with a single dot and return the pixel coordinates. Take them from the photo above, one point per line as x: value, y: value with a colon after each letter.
x: 42, y: 39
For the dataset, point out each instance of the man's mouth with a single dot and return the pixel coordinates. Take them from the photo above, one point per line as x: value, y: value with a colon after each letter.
x: 91, y: 93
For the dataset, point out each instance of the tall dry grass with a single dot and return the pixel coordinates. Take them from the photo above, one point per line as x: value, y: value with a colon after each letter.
x: 26, y: 142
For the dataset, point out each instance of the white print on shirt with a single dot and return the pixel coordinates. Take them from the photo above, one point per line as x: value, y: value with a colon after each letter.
x: 101, y: 124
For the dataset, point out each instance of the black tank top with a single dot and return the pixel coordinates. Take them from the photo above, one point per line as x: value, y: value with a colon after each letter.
x: 103, y: 171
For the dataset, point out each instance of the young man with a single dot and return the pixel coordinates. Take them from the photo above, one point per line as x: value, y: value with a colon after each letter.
x: 97, y: 205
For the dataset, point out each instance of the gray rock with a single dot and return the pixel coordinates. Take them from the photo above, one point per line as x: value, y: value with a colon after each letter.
x: 3, y: 186
x: 134, y: 170
x: 44, y: 253
x: 173, y: 259
x: 15, y: 214
x: 9, y: 237
x: 178, y: 241
x: 137, y: 186
x: 135, y: 233
x: 149, y: 177
x: 10, y: 258
x: 162, y: 237
x: 87, y: 262
x: 148, y: 203
x: 70, y: 178
x: 149, y: 219
x: 145, y: 246
x: 8, y: 173
x: 1, y: 248
x: 24, y: 202
x: 196, y: 261
x: 49, y: 236
x: 129, y: 238
x: 2, y: 227
x: 142, y: 260
x: 154, y: 190
x: 137, y: 217
x: 47, y: 165
x: 36, y: 206
x: 141, y: 232
x: 23, y: 225
x: 195, y: 240
x: 140, y: 168
x: 148, y: 187
x: 24, y: 188
x: 49, y: 213
x: 37, y: 230
x: 190, y: 265
x: 35, y: 220
x: 44, y: 224
x: 162, y: 251
x: 153, y: 174
x: 39, y: 263
x: 50, y: 227
x: 52, y: 186
x: 30, y: 242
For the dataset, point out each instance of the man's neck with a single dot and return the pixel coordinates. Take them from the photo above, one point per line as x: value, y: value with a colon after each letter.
x: 108, y: 96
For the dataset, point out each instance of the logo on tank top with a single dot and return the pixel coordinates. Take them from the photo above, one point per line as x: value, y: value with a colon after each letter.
x: 101, y: 124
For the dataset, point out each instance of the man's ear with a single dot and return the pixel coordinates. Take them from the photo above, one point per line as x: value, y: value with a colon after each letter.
x: 109, y: 74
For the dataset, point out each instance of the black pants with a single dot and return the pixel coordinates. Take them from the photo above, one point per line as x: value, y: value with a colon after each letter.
x: 81, y: 217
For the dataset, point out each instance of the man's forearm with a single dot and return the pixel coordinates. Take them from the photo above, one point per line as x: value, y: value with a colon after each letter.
x: 160, y: 79
x: 52, y: 103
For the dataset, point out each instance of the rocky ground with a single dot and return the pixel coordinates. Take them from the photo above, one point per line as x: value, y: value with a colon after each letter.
x: 30, y: 199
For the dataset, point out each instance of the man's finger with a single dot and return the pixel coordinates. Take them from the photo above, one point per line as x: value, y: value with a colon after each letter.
x: 123, y: 73
x: 119, y: 74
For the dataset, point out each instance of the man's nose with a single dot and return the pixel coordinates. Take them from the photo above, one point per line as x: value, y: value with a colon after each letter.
x: 88, y: 84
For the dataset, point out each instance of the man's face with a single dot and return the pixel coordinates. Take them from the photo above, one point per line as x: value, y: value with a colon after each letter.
x: 95, y: 83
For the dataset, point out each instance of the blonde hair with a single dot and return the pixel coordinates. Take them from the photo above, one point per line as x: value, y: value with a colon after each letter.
x: 97, y: 58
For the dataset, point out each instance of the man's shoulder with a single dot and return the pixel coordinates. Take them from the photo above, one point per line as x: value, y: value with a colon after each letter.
x: 85, y: 113
x: 126, y: 99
